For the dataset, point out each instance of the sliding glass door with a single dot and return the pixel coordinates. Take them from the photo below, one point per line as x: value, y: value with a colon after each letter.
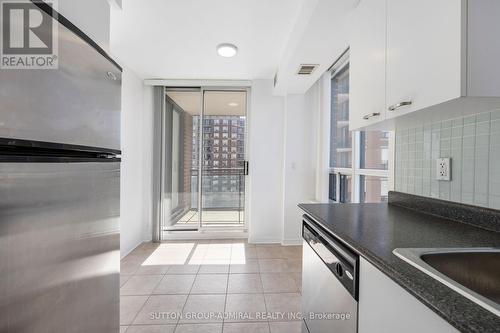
x: 223, y: 159
x: 180, y: 162
x: 203, y: 164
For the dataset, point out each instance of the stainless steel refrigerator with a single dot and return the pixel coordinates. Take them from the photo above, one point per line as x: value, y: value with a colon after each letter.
x: 60, y: 191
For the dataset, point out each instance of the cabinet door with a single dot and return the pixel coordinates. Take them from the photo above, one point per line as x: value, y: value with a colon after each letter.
x: 367, y: 64
x: 385, y: 307
x: 424, y: 53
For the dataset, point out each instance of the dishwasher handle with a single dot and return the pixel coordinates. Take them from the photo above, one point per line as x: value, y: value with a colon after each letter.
x: 345, y: 253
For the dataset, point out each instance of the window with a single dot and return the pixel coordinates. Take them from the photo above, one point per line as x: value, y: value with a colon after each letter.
x: 332, y: 187
x: 373, y: 189
x: 359, y: 160
x: 340, y: 136
x: 374, y: 150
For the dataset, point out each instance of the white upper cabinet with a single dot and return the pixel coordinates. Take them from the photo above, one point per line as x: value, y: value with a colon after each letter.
x: 424, y: 53
x: 440, y: 57
x: 367, y: 64
x: 483, y: 48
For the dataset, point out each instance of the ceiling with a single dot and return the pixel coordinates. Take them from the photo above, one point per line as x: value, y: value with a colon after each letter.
x: 177, y: 39
x: 320, y: 39
x: 220, y: 103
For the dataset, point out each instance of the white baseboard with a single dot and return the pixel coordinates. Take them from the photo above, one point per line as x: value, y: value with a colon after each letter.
x: 193, y: 235
x: 257, y: 240
x: 128, y: 252
x: 296, y: 241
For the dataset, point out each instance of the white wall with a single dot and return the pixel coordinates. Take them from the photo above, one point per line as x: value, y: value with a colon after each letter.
x: 299, y: 173
x: 266, y: 135
x: 283, y: 156
x: 90, y: 16
x: 136, y: 161
x: 93, y: 18
x: 147, y: 172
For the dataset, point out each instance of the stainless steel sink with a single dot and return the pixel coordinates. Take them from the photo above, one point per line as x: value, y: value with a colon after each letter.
x: 472, y: 272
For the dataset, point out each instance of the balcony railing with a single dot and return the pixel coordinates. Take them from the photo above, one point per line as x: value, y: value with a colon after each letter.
x: 222, y: 189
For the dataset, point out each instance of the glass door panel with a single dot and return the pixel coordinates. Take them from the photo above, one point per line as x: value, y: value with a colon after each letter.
x: 180, y: 186
x: 223, y: 158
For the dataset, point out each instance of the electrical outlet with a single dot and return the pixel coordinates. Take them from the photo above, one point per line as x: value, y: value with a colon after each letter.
x: 443, y: 170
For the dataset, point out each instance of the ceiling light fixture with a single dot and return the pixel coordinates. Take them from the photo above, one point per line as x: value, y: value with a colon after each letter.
x: 233, y: 104
x: 226, y: 50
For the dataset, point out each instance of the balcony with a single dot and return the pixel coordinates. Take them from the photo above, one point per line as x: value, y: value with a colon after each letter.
x: 223, y: 200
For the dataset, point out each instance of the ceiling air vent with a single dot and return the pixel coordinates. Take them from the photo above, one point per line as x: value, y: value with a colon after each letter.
x: 306, y: 69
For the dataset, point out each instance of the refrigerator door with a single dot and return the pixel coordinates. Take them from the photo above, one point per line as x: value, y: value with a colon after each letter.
x: 77, y: 104
x: 59, y: 247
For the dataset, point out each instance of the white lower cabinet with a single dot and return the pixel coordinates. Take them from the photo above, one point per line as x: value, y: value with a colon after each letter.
x: 385, y: 307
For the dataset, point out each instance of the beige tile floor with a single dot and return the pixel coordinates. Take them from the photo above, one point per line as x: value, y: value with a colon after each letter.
x: 193, y: 286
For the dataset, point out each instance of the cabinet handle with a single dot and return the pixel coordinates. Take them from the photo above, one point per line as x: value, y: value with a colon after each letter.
x: 398, y: 105
x: 370, y: 115
x: 111, y: 76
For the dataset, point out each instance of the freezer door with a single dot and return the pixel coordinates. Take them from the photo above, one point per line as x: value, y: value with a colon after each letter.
x: 59, y: 247
x: 78, y: 104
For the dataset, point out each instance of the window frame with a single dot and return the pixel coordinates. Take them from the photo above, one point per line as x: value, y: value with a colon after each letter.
x: 355, y: 171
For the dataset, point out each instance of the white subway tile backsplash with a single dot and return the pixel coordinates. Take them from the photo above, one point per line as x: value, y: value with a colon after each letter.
x: 473, y: 144
x: 469, y: 130
x: 483, y: 117
x: 494, y: 201
x: 495, y: 115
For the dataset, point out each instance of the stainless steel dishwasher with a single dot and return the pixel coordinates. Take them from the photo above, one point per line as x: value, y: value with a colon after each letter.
x: 329, y: 282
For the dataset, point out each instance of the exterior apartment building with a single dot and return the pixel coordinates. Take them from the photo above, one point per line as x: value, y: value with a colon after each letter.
x: 223, y: 158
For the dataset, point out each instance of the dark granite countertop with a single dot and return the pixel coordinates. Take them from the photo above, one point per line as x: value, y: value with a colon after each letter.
x: 375, y: 230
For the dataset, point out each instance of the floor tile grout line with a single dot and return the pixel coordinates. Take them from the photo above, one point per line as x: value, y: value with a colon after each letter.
x: 189, y: 293
x: 142, y: 307
x: 177, y: 323
x: 265, y: 303
x: 227, y: 289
